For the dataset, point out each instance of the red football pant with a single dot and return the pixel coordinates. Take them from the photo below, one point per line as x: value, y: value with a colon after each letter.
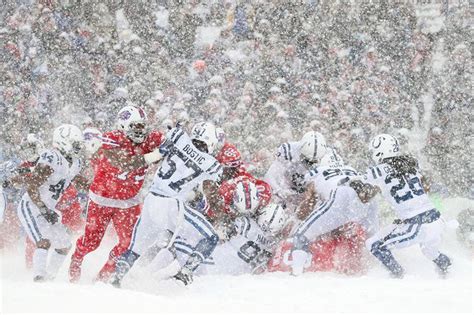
x: 98, y: 218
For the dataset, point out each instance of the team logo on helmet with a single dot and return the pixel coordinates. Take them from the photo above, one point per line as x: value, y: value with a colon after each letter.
x: 126, y: 114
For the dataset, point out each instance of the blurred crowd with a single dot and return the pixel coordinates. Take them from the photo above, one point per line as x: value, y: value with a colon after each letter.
x: 265, y: 71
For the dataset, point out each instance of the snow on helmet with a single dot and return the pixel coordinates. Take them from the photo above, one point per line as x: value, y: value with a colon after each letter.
x: 272, y: 218
x: 313, y: 146
x: 245, y: 197
x: 68, y: 139
x: 384, y: 146
x: 132, y: 120
x: 206, y: 132
x: 332, y: 159
x: 92, y: 140
x: 30, y: 146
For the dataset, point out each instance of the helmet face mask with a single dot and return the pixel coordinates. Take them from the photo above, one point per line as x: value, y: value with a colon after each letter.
x: 132, y: 120
x: 206, y: 133
x: 200, y: 145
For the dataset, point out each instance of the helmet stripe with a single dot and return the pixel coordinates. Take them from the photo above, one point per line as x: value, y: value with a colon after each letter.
x: 315, y: 147
x: 248, y: 200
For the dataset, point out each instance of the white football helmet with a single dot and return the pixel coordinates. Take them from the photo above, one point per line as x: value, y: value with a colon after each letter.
x: 206, y: 132
x: 30, y: 146
x: 384, y: 146
x: 92, y: 140
x: 272, y: 218
x: 313, y: 146
x: 245, y: 197
x: 132, y: 120
x: 68, y: 139
x: 332, y: 159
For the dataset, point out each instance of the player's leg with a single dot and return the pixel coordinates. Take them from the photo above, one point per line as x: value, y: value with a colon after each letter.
x: 430, y: 240
x: 60, y: 246
x: 393, y: 236
x: 196, y: 230
x: 151, y: 226
x: 325, y: 218
x: 30, y: 247
x: 98, y: 218
x: 35, y: 226
x: 123, y: 220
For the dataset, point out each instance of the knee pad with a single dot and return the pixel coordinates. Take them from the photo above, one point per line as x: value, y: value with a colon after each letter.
x: 301, y: 242
x: 43, y: 243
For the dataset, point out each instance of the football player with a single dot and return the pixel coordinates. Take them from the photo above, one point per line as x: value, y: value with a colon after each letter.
x: 120, y: 166
x: 398, y: 178
x: 189, y: 163
x: 54, y: 171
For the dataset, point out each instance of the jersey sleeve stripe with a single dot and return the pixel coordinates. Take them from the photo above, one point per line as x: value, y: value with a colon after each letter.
x: 28, y: 210
x: 178, y: 135
x: 373, y: 172
x: 379, y: 171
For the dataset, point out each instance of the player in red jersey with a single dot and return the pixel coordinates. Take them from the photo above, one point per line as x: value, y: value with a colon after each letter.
x: 234, y: 173
x: 120, y: 168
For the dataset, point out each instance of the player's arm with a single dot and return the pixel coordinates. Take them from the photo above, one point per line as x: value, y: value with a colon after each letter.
x: 81, y: 183
x: 38, y: 177
x: 308, y: 203
x: 121, y: 159
x: 211, y: 191
x: 365, y: 191
x: 426, y: 182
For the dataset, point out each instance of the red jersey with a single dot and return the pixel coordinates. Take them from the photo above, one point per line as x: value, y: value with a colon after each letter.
x: 111, y: 183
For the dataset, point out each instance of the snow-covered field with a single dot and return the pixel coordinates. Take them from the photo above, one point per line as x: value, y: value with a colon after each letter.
x: 420, y: 291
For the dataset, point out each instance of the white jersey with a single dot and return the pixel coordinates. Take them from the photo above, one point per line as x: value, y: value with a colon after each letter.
x: 63, y: 173
x: 280, y: 172
x: 250, y: 248
x: 326, y: 178
x: 184, y: 168
x: 405, y: 194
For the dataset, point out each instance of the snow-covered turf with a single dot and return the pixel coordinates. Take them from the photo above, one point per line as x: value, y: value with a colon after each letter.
x: 420, y: 291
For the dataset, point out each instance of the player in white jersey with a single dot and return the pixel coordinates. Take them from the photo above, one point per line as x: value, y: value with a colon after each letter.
x: 401, y: 184
x: 188, y: 164
x: 338, y: 206
x: 292, y: 160
x: 251, y: 243
x: 52, y: 174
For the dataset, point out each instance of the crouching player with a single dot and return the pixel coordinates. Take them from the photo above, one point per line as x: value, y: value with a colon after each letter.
x: 398, y: 178
x: 251, y: 242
